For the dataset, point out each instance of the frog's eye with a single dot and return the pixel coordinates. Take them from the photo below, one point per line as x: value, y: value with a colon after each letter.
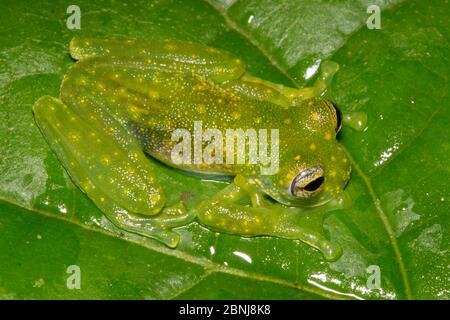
x: 307, y: 182
x: 336, y: 115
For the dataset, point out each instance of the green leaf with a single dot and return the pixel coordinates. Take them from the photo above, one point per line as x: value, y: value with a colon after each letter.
x: 398, y: 219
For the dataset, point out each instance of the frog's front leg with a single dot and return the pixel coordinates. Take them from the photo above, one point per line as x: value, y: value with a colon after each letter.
x: 223, y: 214
x: 110, y: 168
x: 282, y: 95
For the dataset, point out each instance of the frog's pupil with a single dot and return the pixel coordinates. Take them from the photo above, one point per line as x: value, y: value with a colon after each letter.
x: 314, y: 185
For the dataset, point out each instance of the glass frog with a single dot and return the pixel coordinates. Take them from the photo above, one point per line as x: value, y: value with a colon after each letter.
x: 121, y: 102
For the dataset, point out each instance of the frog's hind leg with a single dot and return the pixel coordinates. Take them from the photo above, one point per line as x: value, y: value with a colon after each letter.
x: 166, y: 55
x: 116, y: 177
x: 223, y: 214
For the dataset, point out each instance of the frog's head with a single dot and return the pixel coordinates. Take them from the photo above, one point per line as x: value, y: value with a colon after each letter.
x: 314, y: 168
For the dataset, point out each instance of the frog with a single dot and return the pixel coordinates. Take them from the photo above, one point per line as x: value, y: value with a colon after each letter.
x: 120, y: 103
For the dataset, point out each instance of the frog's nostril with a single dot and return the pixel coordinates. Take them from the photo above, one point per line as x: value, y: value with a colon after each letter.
x: 314, y: 185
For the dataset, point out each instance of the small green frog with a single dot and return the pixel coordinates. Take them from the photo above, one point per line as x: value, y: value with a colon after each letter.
x: 123, y: 100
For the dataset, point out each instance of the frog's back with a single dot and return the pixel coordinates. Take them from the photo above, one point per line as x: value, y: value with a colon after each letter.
x: 153, y: 103
x: 189, y: 102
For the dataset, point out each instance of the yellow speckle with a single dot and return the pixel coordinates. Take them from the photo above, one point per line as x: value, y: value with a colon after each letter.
x: 106, y: 160
x: 287, y: 121
x: 102, y: 199
x: 328, y: 136
x: 290, y: 176
x: 315, y: 116
x: 258, y: 120
x: 154, y: 197
x: 74, y: 136
x: 297, y: 157
x: 333, y: 158
x: 236, y: 115
x: 312, y: 146
x: 333, y: 173
x: 153, y: 94
x: 201, y: 108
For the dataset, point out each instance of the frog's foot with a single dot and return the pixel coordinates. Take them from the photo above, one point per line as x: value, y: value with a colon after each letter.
x: 356, y: 120
x: 147, y: 227
x: 223, y: 214
x: 323, y: 81
x: 282, y: 95
x: 175, y: 216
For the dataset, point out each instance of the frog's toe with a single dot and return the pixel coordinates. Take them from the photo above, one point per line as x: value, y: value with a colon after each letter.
x: 175, y: 216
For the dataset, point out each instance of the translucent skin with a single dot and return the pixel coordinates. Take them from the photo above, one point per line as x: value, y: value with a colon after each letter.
x: 125, y: 98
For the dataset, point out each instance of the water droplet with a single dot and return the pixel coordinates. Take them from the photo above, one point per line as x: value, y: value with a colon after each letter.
x: 243, y: 255
x: 310, y: 71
